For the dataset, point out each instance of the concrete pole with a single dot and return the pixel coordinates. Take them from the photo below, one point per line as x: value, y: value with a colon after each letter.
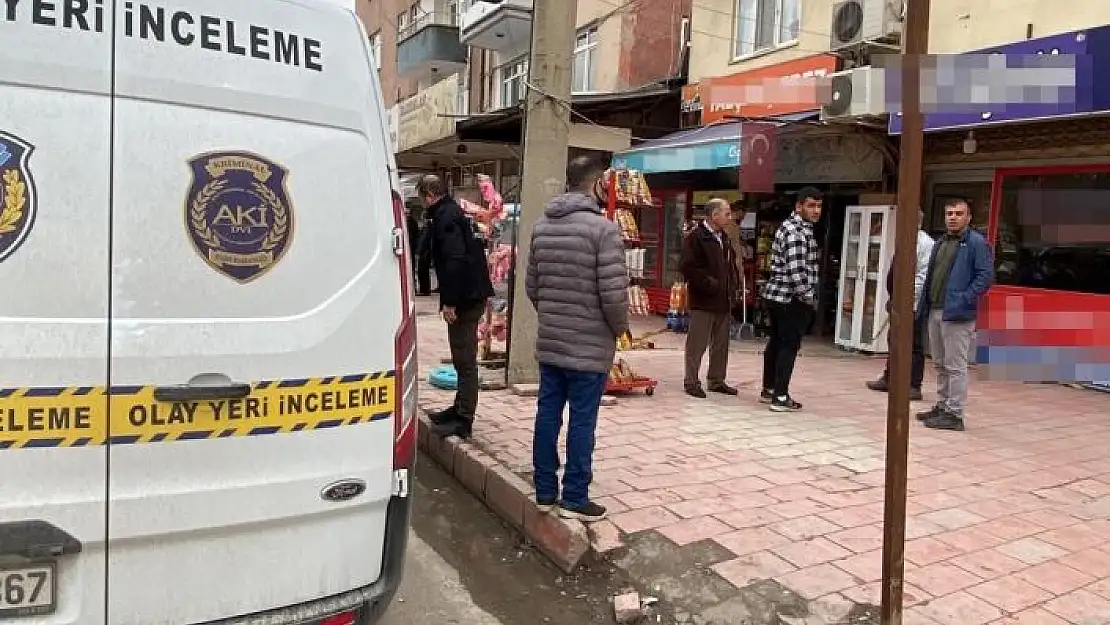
x: 546, y: 132
x: 916, y: 45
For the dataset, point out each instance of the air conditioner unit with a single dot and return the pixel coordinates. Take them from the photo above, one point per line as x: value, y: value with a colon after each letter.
x: 859, y: 92
x: 863, y: 21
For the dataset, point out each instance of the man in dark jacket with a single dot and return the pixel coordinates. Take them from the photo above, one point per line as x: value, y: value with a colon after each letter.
x: 960, y: 272
x: 577, y: 280
x: 709, y: 267
x: 464, y: 287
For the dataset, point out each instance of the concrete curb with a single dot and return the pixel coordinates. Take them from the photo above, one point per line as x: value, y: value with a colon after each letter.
x: 565, y: 542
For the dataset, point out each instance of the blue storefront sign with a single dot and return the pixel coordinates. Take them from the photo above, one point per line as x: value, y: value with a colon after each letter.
x: 706, y: 148
x: 719, y: 155
x: 1090, y: 50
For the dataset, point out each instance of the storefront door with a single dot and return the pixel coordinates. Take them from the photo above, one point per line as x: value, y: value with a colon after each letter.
x: 973, y: 186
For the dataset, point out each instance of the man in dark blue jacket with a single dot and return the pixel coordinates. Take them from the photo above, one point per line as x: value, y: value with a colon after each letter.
x: 960, y: 272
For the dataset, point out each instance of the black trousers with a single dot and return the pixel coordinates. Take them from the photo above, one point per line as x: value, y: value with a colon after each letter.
x: 789, y: 323
x: 462, y: 336
x: 917, y: 357
x: 423, y: 273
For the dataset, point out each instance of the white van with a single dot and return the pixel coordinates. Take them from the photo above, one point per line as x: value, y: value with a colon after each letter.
x: 207, y: 333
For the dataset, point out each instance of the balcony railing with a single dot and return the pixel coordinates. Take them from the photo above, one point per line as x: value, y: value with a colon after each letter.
x: 449, y: 19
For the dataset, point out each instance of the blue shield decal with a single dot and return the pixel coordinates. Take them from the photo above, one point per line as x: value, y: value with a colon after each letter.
x: 238, y: 213
x: 18, y: 200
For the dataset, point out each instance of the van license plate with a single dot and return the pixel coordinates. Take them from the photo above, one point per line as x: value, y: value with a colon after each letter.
x: 27, y: 591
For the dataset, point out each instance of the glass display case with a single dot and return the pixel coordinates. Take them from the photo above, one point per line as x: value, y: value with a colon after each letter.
x: 650, y: 223
x: 673, y: 205
x: 865, y: 259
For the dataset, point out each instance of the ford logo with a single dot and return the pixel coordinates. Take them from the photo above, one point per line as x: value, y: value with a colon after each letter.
x: 343, y: 490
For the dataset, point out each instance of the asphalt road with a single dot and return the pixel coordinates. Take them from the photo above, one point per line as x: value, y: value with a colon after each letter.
x: 433, y: 593
x: 466, y: 566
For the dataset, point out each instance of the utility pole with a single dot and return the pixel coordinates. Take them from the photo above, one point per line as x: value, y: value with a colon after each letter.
x: 915, y: 46
x: 546, y: 133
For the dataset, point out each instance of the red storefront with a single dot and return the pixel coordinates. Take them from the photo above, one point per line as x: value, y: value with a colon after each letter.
x: 1041, y: 194
x: 1037, y: 174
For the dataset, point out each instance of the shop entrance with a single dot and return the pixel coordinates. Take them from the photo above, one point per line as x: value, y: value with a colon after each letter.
x: 772, y: 210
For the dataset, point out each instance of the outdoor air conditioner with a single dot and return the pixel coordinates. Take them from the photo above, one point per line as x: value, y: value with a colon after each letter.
x: 859, y: 92
x: 863, y: 21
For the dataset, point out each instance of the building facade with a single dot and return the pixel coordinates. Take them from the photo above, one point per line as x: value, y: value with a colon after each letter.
x: 1036, y: 171
x: 380, y: 18
x: 452, y: 63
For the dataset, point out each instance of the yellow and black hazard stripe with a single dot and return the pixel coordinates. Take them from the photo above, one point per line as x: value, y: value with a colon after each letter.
x: 86, y: 416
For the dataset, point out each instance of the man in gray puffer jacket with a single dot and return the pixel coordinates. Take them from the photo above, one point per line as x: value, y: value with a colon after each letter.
x: 578, y: 283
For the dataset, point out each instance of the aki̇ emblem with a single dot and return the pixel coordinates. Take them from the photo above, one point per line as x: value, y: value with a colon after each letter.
x: 238, y: 213
x: 18, y: 200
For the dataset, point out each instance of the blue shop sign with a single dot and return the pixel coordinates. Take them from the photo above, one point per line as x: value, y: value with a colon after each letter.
x: 716, y: 155
x: 1091, y: 51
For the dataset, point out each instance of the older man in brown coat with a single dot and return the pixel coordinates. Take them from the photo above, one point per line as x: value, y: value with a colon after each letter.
x: 709, y: 267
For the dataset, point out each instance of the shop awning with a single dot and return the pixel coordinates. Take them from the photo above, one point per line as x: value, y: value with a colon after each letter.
x: 506, y: 125
x: 716, y: 146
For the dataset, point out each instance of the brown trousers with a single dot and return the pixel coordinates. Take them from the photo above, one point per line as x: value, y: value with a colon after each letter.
x: 707, y: 330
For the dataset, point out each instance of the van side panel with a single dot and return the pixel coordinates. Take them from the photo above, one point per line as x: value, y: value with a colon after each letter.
x: 251, y: 239
x: 54, y: 171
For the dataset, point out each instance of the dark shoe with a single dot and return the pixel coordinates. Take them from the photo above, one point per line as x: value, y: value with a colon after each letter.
x: 444, y: 416
x: 696, y: 391
x: 460, y: 427
x: 880, y: 385
x: 928, y: 414
x: 915, y: 394
x: 945, y: 421
x: 545, y: 504
x: 766, y: 396
x: 590, y: 513
x: 785, y: 404
x: 723, y: 389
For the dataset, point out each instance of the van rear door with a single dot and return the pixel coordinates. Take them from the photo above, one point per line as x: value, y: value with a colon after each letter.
x: 256, y: 299
x: 55, y: 129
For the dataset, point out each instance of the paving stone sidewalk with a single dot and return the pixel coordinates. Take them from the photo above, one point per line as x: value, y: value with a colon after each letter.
x: 1009, y: 522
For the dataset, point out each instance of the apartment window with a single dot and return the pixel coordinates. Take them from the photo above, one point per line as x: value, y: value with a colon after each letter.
x: 764, y: 25
x: 514, y: 76
x: 376, y: 48
x: 684, y: 33
x: 452, y: 10
x: 585, y: 61
x: 402, y: 22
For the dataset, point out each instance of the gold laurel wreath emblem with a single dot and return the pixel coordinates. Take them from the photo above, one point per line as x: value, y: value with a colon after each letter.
x: 15, y: 199
x: 280, y: 227
x: 198, y: 212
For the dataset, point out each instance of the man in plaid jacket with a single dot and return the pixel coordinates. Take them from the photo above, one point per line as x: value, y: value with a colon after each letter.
x: 791, y: 294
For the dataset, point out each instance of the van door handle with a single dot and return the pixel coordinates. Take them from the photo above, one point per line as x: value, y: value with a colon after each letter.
x: 188, y: 392
x: 34, y: 540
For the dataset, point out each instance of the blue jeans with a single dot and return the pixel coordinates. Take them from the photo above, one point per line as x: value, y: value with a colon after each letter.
x: 583, y: 391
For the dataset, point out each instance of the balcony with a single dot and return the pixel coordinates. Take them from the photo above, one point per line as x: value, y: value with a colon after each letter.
x: 430, y: 47
x: 504, y: 27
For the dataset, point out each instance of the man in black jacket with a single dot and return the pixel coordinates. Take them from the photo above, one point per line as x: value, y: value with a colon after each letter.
x: 464, y: 287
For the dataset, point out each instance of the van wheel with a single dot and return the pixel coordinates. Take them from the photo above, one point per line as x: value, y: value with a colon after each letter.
x: 649, y: 391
